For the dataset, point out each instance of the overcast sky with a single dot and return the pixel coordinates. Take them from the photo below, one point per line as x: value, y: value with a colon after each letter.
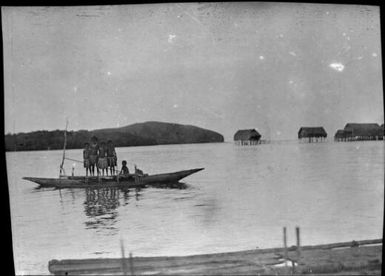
x: 222, y: 66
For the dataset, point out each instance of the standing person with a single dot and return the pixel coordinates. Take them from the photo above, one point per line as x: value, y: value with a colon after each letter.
x: 86, y: 158
x: 111, y: 157
x: 94, y: 148
x: 102, y: 158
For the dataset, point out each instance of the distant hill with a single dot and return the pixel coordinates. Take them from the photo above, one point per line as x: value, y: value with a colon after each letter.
x: 140, y: 134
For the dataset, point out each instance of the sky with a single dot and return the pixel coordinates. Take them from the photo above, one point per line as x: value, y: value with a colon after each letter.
x: 222, y: 66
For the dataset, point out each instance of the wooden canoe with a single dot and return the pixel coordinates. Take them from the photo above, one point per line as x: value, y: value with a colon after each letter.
x: 128, y: 181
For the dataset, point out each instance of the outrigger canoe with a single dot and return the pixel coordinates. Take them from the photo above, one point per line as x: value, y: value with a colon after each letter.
x: 128, y: 181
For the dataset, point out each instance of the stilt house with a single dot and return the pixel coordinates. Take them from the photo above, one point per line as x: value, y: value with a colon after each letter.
x: 247, y: 137
x: 356, y: 131
x: 312, y: 134
x: 341, y: 135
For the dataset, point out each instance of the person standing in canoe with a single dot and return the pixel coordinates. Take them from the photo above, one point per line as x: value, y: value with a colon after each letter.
x: 111, y: 157
x: 102, y: 158
x: 93, y: 157
x: 86, y: 158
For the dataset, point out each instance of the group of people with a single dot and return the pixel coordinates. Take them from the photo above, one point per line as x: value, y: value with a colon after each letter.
x: 103, y: 157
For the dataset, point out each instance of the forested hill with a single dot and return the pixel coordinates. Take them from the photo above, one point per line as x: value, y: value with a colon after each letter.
x: 140, y: 134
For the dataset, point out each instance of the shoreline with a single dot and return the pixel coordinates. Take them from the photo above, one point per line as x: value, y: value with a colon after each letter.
x: 359, y: 257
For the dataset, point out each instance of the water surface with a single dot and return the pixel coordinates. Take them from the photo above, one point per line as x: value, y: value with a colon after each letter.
x: 243, y: 198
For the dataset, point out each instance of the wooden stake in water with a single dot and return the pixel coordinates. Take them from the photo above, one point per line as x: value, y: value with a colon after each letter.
x: 285, y: 245
x: 131, y: 264
x: 124, y: 268
x: 298, y: 242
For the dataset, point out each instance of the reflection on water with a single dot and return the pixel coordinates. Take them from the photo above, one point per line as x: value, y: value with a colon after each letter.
x: 100, y: 208
x: 101, y: 204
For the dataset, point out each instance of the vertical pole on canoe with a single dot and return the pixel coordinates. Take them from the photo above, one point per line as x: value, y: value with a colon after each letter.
x: 124, y: 268
x: 64, y: 150
x: 285, y: 245
x: 131, y: 264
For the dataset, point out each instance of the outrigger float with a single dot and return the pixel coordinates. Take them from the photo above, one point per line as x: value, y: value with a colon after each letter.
x: 120, y: 181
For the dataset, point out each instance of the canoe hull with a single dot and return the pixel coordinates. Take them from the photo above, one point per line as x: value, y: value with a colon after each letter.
x: 111, y: 181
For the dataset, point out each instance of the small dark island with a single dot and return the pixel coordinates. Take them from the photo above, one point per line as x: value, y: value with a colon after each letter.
x: 139, y: 134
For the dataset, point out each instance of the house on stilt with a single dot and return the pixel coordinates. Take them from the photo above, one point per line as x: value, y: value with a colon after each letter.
x: 360, y: 132
x: 341, y: 136
x: 247, y: 137
x: 312, y: 134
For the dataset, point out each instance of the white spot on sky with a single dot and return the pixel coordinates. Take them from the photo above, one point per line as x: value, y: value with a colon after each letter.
x: 374, y: 54
x: 291, y: 81
x: 337, y: 66
x: 293, y: 54
x: 261, y: 57
x: 344, y: 34
x: 109, y: 73
x: 359, y: 58
x: 280, y: 36
x: 175, y: 106
x: 75, y: 89
x: 278, y: 132
x: 171, y: 38
x: 348, y: 37
x: 327, y: 13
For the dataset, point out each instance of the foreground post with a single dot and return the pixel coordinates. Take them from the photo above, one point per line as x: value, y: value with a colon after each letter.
x: 285, y: 245
x: 123, y: 260
x: 298, y: 242
x: 131, y: 264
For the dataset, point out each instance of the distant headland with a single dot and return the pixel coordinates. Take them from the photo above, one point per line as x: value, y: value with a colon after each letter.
x: 139, y: 134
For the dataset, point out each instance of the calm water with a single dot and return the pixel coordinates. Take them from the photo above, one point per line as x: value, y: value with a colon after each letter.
x: 243, y: 198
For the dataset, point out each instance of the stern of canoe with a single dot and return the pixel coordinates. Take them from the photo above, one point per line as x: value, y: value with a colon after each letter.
x: 53, y: 182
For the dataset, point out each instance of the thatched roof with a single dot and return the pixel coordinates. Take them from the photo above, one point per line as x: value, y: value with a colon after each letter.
x: 363, y: 129
x: 341, y: 134
x: 247, y: 134
x: 305, y: 132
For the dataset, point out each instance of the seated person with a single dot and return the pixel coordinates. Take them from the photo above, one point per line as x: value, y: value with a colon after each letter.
x: 124, y: 170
